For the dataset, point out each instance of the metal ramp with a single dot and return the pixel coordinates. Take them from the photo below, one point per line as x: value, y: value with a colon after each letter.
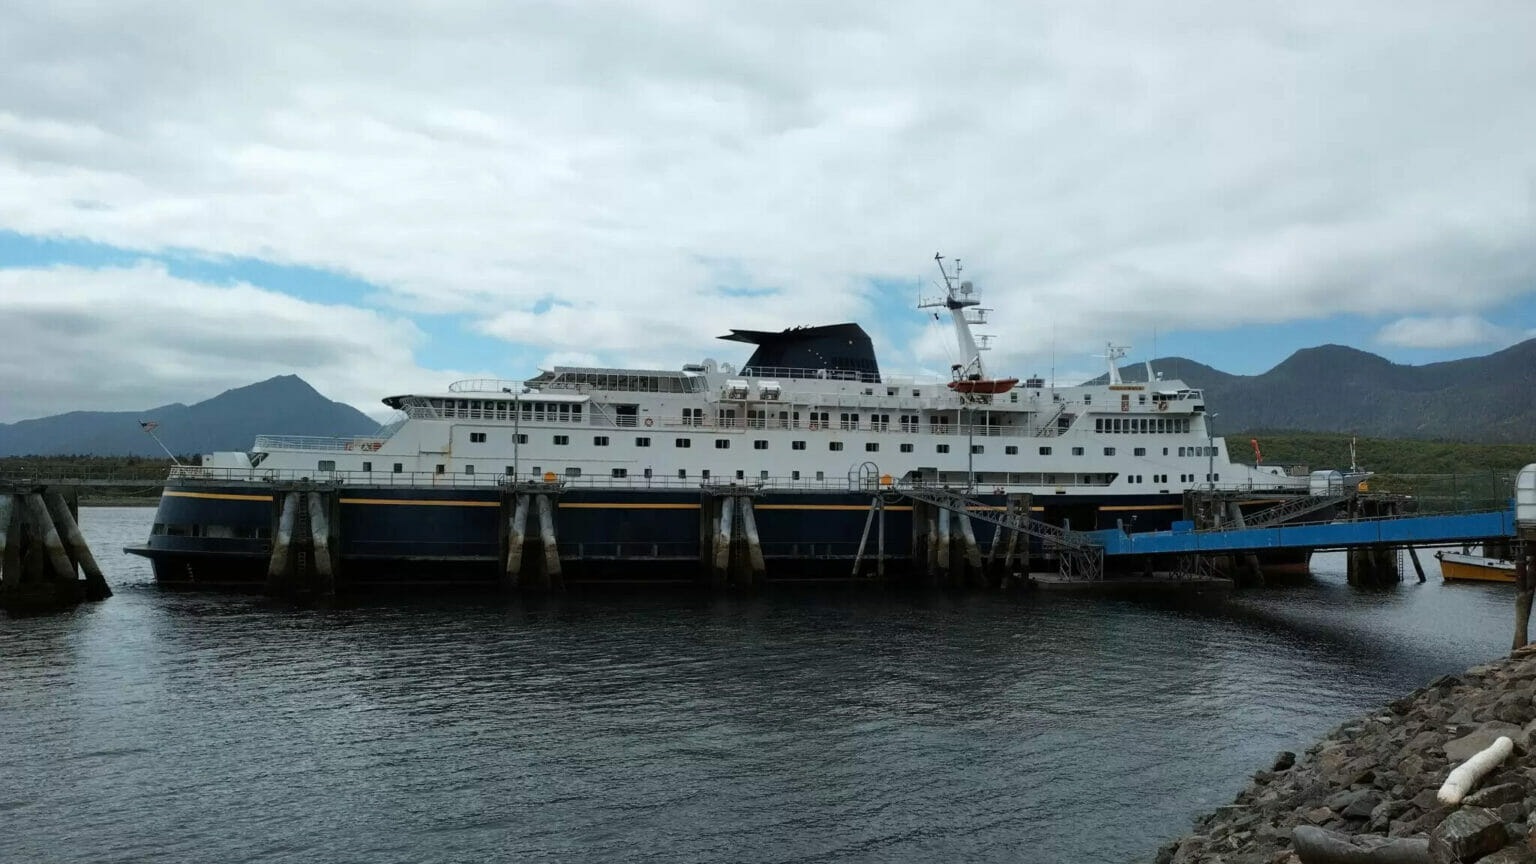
x: 1289, y: 510
x: 1080, y: 556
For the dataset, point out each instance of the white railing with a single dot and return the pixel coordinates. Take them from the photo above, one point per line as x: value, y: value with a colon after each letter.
x: 486, y: 385
x: 269, y: 443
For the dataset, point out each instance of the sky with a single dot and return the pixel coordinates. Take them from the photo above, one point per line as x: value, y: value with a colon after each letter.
x: 384, y: 198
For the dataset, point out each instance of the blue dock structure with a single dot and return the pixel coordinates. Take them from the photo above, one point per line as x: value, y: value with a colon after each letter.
x: 1371, y: 528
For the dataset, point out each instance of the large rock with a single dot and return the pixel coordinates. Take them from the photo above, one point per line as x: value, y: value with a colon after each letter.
x: 1467, y: 746
x: 1315, y: 845
x: 1493, y: 796
x: 1467, y: 835
x: 1511, y: 854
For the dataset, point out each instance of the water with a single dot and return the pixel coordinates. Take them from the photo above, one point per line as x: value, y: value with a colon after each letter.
x: 796, y: 726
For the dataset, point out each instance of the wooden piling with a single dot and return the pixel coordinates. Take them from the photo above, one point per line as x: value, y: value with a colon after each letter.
x: 74, y: 542
x: 758, y: 568
x: 1413, y: 555
x: 280, y: 565
x: 517, y: 526
x: 551, y: 577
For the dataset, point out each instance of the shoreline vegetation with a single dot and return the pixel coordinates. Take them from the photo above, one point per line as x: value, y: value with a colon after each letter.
x: 1367, y: 791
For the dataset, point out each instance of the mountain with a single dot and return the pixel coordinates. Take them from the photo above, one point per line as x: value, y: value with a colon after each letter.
x: 1334, y: 388
x: 284, y: 405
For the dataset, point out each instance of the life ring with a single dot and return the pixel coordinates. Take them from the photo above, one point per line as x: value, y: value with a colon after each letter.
x: 650, y: 422
x: 1162, y: 406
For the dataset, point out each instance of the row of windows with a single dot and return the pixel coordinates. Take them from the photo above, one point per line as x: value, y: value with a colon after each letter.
x: 870, y: 447
x: 1146, y: 425
x: 505, y: 409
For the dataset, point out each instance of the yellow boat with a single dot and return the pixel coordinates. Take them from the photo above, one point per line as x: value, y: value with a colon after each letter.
x: 1460, y: 567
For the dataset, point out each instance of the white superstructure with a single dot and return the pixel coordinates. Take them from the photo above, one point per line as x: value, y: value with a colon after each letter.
x: 809, y: 425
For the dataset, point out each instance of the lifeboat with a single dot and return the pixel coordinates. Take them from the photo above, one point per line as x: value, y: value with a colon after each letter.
x: 984, y: 386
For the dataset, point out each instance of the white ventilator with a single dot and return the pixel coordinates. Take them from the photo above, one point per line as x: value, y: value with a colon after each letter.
x: 1466, y: 775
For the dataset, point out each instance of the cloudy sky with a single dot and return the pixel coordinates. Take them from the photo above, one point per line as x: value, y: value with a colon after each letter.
x: 387, y: 196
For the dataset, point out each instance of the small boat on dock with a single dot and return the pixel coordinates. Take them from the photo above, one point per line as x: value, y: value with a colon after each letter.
x: 1462, y: 567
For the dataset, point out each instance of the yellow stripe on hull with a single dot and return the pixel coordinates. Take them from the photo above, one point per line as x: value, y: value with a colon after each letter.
x: 1455, y: 571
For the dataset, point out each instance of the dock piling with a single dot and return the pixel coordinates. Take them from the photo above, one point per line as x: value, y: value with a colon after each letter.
x: 320, y: 538
x: 942, y: 547
x: 972, y: 557
x: 74, y: 542
x: 758, y: 568
x: 722, y: 550
x: 280, y: 564
x: 517, y: 526
x: 551, y: 577
x: 58, y: 559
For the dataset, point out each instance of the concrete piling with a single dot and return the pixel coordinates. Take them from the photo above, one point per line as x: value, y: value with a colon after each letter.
x: 972, y: 551
x: 551, y: 577
x: 74, y: 542
x: 757, y: 567
x: 517, y: 526
x: 42, y: 551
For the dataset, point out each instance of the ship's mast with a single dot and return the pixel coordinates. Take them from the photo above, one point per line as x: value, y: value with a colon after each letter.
x: 958, y: 297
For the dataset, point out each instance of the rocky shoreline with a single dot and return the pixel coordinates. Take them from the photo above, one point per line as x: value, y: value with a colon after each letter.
x: 1367, y: 791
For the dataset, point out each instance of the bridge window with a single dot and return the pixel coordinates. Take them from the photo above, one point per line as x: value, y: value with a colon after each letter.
x: 871, y: 447
x: 1139, y: 451
x: 1011, y: 450
x: 477, y: 437
x: 1045, y: 451
x: 760, y: 444
x: 741, y: 475
x: 941, y: 448
x: 440, y: 469
x: 978, y: 449
x: 469, y: 469
x: 835, y: 445
x: 1077, y: 451
x: 368, y: 466
x: 683, y: 442
x: 642, y: 442
x: 573, y: 472
x: 1109, y: 451
x: 327, y: 465
x: 399, y: 467
x: 562, y: 440
x: 906, y: 448
x: 704, y: 474
x: 600, y: 440
x: 722, y: 443
x: 794, y: 475
x: 620, y: 473
x: 521, y: 437
x: 797, y: 445
x: 682, y: 473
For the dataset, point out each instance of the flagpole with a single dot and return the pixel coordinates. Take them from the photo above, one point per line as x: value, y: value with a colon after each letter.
x: 149, y: 427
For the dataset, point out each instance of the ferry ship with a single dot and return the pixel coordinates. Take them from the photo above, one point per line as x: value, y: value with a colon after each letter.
x: 809, y: 417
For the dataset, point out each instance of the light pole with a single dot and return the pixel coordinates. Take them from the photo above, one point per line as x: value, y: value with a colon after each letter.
x: 517, y: 416
x: 970, y: 451
x: 1210, y: 451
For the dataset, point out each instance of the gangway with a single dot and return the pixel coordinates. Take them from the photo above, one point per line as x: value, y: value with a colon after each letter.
x: 1079, y: 553
x: 1290, y: 510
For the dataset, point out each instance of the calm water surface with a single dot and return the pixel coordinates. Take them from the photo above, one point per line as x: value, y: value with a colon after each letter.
x: 795, y: 726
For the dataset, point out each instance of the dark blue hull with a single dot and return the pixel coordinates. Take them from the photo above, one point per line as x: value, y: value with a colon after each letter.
x: 206, y: 534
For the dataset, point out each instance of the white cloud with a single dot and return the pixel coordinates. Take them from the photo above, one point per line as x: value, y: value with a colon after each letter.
x: 1105, y: 167
x: 135, y: 337
x: 1449, y: 331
